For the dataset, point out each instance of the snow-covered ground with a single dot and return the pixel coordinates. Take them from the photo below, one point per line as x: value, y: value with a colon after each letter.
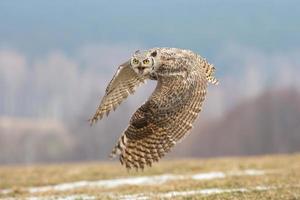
x: 146, y: 180
x: 148, y: 196
x: 211, y: 191
x: 143, y: 180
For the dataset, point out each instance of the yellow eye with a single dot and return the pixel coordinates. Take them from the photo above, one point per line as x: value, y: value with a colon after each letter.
x: 135, y: 61
x: 146, y: 61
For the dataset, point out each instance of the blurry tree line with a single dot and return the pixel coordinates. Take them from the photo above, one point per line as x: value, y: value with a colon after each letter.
x: 266, y: 124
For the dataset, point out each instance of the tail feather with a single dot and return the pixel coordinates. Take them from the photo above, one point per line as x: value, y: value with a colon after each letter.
x: 141, y: 153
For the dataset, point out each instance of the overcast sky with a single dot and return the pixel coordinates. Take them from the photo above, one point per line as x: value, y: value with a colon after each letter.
x: 38, y: 26
x: 52, y: 52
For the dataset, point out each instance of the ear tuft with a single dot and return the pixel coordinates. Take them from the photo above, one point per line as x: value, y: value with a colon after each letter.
x: 137, y: 51
x: 154, y: 53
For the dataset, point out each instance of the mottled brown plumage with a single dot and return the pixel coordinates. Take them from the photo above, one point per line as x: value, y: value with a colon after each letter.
x: 182, y: 78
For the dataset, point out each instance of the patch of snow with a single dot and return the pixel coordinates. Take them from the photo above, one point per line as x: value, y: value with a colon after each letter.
x: 71, y: 197
x: 140, y: 196
x: 248, y: 172
x: 208, y: 176
x: 111, y: 183
x: 200, y: 192
x: 6, y: 191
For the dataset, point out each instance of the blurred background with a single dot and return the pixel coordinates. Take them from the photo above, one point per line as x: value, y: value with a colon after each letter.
x: 56, y: 58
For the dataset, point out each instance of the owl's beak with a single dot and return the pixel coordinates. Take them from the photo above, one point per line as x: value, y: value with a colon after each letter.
x: 141, y: 69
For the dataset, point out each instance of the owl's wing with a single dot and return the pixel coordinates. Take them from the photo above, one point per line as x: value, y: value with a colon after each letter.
x: 124, y: 82
x: 156, y: 126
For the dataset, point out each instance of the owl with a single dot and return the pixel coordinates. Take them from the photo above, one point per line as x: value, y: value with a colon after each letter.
x: 166, y: 117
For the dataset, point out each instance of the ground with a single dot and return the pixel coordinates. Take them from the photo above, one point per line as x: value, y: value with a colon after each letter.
x: 264, y: 177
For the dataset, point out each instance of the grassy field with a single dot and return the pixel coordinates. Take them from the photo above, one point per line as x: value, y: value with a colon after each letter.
x: 278, y: 178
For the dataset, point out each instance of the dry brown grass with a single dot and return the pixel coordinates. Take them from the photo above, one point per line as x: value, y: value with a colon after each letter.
x: 284, y: 173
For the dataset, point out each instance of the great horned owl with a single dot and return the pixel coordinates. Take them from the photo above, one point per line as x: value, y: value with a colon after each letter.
x: 182, y: 78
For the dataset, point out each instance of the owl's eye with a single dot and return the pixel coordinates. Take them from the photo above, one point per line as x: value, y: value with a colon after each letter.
x: 135, y: 61
x: 146, y: 61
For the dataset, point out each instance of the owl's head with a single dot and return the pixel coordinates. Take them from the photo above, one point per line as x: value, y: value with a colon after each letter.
x: 144, y: 62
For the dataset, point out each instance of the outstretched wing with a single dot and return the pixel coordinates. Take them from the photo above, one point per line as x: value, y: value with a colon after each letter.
x: 161, y: 122
x: 124, y: 82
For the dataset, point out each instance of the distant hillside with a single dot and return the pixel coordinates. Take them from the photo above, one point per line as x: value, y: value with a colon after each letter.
x: 269, y: 123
